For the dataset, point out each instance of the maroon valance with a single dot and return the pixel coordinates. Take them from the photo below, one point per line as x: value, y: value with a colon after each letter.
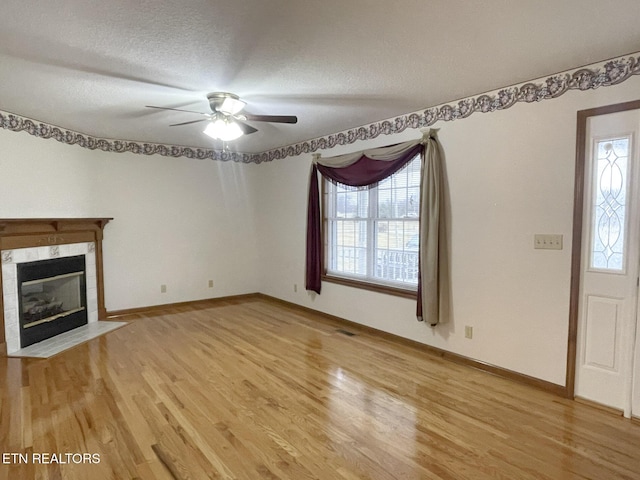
x: 367, y: 171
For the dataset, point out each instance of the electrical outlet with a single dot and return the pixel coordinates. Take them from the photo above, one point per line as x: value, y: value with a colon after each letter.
x: 210, y: 283
x: 468, y: 331
x: 295, y: 287
x: 163, y: 289
x: 547, y: 242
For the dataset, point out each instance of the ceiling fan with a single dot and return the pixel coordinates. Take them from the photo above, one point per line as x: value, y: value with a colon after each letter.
x: 227, y: 121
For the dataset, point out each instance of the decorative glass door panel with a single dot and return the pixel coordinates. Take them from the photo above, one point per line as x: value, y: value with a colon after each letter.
x: 609, y: 208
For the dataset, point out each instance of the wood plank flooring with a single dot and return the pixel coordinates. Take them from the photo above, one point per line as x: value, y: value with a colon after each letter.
x: 252, y: 389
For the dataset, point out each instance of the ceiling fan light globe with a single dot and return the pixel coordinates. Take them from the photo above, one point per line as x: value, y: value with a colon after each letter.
x: 224, y: 130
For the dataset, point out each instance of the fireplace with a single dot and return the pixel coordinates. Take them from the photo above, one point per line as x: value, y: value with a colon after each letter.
x: 51, y: 279
x: 48, y: 291
x: 52, y: 297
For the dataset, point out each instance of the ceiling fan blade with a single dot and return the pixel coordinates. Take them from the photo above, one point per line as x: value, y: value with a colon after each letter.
x: 187, y: 123
x: 176, y: 109
x: 246, y: 129
x: 271, y: 118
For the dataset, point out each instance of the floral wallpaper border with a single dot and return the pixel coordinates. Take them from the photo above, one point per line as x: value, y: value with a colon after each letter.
x: 609, y: 73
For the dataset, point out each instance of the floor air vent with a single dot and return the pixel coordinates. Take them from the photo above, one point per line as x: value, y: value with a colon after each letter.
x: 345, y: 332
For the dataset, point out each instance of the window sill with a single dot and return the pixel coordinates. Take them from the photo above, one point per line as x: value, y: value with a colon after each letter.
x: 387, y: 289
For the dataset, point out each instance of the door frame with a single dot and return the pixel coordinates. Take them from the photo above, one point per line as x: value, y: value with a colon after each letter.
x: 576, y: 249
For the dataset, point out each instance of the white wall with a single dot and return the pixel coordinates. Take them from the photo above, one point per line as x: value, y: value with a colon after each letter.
x: 511, y: 176
x: 178, y: 222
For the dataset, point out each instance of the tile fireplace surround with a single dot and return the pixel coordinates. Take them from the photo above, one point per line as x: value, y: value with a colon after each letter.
x: 27, y: 240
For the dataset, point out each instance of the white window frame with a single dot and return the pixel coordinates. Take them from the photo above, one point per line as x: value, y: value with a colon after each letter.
x: 370, y: 280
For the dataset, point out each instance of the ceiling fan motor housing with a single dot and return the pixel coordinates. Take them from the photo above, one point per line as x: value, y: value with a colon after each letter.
x: 224, y: 102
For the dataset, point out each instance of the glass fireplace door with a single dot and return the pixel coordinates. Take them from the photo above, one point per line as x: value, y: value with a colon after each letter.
x: 52, y: 296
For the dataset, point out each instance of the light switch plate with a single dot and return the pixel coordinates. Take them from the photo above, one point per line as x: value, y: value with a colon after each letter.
x: 547, y: 241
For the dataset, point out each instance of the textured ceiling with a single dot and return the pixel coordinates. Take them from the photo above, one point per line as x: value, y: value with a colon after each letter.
x: 92, y: 66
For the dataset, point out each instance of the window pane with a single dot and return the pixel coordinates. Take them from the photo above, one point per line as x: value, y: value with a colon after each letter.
x: 413, y: 202
x: 350, y: 247
x: 385, y: 203
x: 396, y: 258
x: 351, y: 202
x: 609, y: 204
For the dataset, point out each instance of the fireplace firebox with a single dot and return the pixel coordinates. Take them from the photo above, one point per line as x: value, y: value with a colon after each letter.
x: 52, y: 297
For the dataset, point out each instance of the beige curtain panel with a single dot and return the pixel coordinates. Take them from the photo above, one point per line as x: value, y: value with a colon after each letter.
x: 433, y: 288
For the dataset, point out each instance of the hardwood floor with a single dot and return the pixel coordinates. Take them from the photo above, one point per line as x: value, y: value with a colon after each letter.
x: 253, y: 389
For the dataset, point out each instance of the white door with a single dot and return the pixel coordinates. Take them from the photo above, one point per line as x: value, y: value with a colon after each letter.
x: 611, y: 253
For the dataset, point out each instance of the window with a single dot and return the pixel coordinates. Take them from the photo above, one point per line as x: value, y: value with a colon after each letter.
x: 372, y: 234
x: 609, y: 203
